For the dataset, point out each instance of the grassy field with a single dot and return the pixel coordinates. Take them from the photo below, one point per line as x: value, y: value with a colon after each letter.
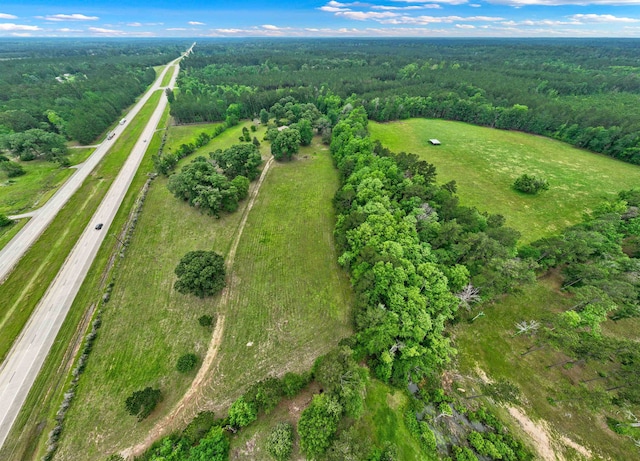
x: 28, y: 437
x: 307, y: 300
x: 42, y: 179
x: 489, y: 344
x: 484, y: 163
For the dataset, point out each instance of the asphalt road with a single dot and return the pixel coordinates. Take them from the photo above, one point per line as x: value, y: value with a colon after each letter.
x: 21, y: 367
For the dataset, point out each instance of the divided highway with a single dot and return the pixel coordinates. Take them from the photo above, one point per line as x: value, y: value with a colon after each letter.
x: 23, y: 363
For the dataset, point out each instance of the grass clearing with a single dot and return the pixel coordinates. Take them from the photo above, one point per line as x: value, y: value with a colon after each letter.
x: 41, y: 181
x: 27, y: 439
x: 490, y: 345
x: 484, y: 162
x: 8, y: 232
x: 289, y: 300
x: 294, y: 293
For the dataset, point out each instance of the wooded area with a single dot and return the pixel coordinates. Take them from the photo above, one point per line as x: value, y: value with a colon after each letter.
x: 584, y: 92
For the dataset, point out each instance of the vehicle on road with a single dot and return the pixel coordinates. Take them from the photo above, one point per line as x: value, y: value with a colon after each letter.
x: 123, y: 121
x: 99, y: 226
x: 111, y: 135
x: 144, y: 140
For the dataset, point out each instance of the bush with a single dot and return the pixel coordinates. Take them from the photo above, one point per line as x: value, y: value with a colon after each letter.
x: 142, y: 403
x: 205, y: 321
x: 200, y: 273
x: 199, y: 426
x: 186, y: 363
x: 242, y: 413
x: 4, y: 220
x: 12, y: 169
x: 280, y: 441
x: 530, y: 184
x: 318, y: 425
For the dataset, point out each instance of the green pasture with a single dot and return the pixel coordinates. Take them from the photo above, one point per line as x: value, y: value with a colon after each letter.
x: 35, y: 271
x: 167, y: 76
x: 484, y: 162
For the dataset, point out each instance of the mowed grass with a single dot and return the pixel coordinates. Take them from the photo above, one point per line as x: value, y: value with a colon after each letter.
x: 484, y: 162
x: 146, y: 325
x: 26, y: 284
x: 490, y: 344
x: 167, y: 75
x: 289, y: 300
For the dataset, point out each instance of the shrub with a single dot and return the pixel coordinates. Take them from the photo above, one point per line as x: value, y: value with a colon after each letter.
x: 186, y: 363
x: 205, y: 321
x: 280, y: 441
x: 142, y: 403
x: 242, y: 413
x: 530, y: 184
x: 4, y: 220
x: 199, y: 426
x: 12, y: 169
x: 293, y: 383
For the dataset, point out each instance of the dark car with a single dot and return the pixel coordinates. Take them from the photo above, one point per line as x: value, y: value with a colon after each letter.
x: 99, y: 226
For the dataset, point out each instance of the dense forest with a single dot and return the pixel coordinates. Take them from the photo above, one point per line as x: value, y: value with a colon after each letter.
x: 71, y: 88
x: 583, y: 92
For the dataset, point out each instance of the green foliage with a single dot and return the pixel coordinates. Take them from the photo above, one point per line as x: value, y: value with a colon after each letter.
x: 203, y: 187
x: 292, y: 383
x: 201, y: 273
x: 242, y: 413
x: 186, y: 362
x: 214, y: 447
x: 463, y: 454
x: 239, y: 159
x: 36, y: 143
x: 241, y: 185
x: 4, y: 220
x: 530, y: 184
x: 280, y: 441
x: 306, y: 131
x: 12, y: 169
x: 205, y: 321
x: 199, y: 426
x: 142, y: 403
x: 264, y: 116
x: 286, y: 144
x: 318, y: 424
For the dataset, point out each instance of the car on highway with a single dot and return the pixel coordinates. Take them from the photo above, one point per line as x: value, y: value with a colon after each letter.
x: 99, y: 226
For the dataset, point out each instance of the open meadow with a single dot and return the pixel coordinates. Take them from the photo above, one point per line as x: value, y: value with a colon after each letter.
x: 287, y: 296
x: 484, y: 162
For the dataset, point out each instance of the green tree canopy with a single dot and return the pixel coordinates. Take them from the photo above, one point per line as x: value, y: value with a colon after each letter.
x: 239, y: 159
x: 286, y: 144
x: 200, y: 273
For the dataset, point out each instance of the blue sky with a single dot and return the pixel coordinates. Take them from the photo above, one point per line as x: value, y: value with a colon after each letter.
x: 330, y: 18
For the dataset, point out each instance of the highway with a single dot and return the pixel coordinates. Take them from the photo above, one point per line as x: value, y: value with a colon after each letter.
x: 23, y: 363
x: 41, y: 218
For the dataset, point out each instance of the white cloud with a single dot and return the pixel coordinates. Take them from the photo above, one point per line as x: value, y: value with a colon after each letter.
x: 475, y: 5
x: 101, y: 30
x: 425, y: 20
x: 518, y: 3
x: 135, y: 24
x: 365, y: 15
x: 196, y: 23
x: 465, y: 26
x: 177, y: 28
x: 8, y: 16
x: 67, y: 30
x: 449, y: 2
x: 600, y: 18
x: 17, y: 27
x: 414, y: 7
x: 70, y: 17
x: 270, y: 27
x: 333, y: 9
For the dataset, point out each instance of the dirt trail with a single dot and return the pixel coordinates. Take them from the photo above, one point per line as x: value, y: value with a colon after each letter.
x: 166, y: 424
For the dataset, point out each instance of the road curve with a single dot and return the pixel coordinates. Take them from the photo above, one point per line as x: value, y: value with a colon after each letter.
x: 18, y: 246
x: 21, y: 367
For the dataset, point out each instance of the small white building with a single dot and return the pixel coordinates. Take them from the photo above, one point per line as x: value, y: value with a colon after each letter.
x: 435, y: 142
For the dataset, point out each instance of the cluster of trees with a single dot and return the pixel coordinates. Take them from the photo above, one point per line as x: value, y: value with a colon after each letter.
x: 35, y: 143
x: 75, y: 89
x: 581, y: 92
x: 200, y: 184
x: 142, y: 403
x: 415, y: 255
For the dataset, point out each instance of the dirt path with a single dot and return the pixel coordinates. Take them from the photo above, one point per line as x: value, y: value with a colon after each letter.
x: 166, y: 424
